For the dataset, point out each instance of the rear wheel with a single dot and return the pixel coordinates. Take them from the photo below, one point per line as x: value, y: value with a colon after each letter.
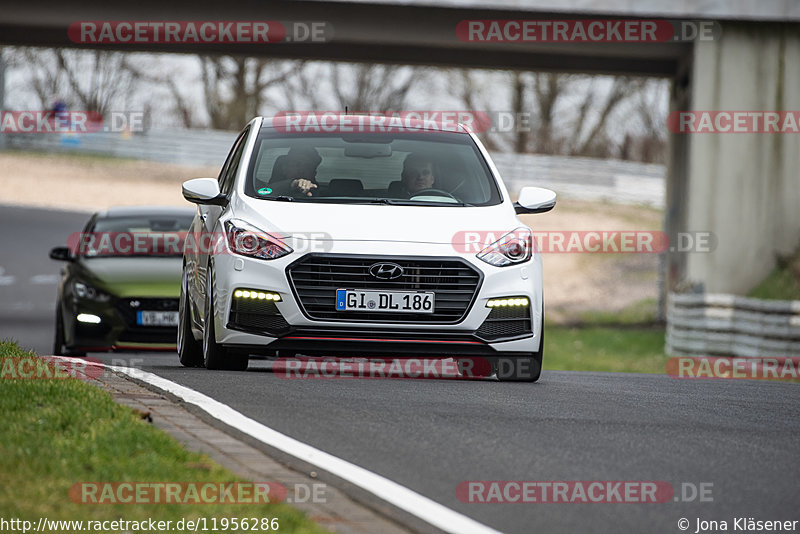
x: 190, y: 351
x: 215, y: 356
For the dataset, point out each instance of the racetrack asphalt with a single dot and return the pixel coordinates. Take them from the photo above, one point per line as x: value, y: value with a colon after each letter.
x: 739, y: 436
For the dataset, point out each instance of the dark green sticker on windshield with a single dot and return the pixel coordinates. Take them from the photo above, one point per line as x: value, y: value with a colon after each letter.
x: 264, y: 191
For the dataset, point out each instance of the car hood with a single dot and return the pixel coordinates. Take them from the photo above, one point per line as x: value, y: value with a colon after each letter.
x: 134, y: 277
x: 375, y: 222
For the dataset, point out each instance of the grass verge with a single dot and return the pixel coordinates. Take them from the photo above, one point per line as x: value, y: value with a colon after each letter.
x: 783, y: 283
x: 57, y: 433
x: 605, y: 349
x: 624, y: 341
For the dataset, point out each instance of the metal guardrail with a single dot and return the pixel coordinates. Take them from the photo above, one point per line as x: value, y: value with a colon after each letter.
x: 584, y: 178
x: 182, y: 147
x: 728, y: 325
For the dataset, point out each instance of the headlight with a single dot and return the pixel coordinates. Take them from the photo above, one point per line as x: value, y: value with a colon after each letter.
x: 514, y: 247
x: 248, y: 240
x: 87, y: 292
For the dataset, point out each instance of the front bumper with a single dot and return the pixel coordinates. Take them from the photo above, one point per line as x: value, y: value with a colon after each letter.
x: 289, y: 327
x: 118, y: 329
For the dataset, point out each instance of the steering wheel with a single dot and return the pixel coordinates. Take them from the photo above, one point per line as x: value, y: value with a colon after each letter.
x: 434, y: 193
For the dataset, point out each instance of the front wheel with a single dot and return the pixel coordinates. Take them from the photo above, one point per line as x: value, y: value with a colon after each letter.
x: 190, y: 351
x: 215, y: 356
x: 522, y: 368
x: 59, y: 345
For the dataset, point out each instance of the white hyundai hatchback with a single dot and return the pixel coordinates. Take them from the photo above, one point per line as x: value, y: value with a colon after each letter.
x: 358, y: 242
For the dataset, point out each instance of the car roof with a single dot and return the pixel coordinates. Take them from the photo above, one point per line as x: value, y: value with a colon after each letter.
x: 145, y: 211
x: 280, y: 121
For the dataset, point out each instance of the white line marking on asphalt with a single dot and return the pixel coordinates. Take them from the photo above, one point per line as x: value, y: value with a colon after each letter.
x: 6, y: 280
x: 400, y: 496
x: 44, y: 279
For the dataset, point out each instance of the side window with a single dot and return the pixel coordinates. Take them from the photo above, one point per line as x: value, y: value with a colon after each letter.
x: 228, y: 172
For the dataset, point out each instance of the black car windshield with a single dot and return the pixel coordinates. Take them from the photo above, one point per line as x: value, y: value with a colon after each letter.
x: 427, y: 168
x: 139, y: 235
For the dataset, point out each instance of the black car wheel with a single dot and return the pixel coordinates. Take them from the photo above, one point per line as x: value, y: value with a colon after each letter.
x: 521, y: 368
x: 215, y: 356
x: 59, y: 345
x: 190, y: 351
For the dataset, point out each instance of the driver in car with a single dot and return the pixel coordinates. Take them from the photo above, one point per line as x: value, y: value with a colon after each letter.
x: 418, y: 174
x: 296, y: 172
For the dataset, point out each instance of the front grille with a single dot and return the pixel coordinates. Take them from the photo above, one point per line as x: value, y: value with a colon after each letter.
x: 258, y: 315
x: 316, y: 277
x: 506, y: 322
x: 128, y: 307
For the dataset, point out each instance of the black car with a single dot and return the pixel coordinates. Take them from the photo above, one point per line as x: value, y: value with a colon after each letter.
x: 120, y: 286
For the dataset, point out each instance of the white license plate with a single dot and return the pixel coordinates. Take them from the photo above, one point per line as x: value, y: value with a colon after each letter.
x: 391, y: 301
x: 157, y: 318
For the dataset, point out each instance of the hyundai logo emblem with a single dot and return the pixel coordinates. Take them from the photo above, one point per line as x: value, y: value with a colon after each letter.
x: 386, y: 271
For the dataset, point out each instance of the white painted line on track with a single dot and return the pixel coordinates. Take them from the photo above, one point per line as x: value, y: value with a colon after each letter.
x: 403, y: 498
x: 6, y: 279
x: 44, y: 279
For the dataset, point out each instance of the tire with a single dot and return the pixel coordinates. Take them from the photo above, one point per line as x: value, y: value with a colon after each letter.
x: 190, y: 351
x: 59, y: 345
x: 522, y: 368
x: 215, y: 356
x: 475, y: 367
x: 58, y: 341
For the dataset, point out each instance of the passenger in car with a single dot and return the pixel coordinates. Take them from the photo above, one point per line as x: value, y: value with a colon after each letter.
x: 296, y: 172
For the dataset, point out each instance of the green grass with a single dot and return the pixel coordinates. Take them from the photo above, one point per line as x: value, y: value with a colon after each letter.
x: 56, y: 433
x: 625, y: 341
x: 783, y: 283
x: 604, y: 348
x: 642, y: 313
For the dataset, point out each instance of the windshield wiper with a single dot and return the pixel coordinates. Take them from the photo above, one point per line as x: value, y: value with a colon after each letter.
x: 401, y: 202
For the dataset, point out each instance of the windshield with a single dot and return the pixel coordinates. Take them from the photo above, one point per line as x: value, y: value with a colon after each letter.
x: 141, y: 235
x: 423, y: 168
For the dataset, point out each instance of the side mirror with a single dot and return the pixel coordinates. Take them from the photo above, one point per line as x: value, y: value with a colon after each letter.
x: 535, y: 200
x: 203, y: 191
x: 61, y: 254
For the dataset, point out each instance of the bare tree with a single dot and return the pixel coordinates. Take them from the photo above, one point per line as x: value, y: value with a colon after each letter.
x: 595, y: 141
x: 570, y: 114
x: 46, y: 81
x: 234, y: 87
x: 88, y: 80
x: 473, y: 96
x: 650, y: 142
x: 98, y: 79
x: 301, y: 90
x: 364, y: 87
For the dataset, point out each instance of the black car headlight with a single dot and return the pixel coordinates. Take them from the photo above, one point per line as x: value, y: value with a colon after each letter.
x: 84, y: 291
